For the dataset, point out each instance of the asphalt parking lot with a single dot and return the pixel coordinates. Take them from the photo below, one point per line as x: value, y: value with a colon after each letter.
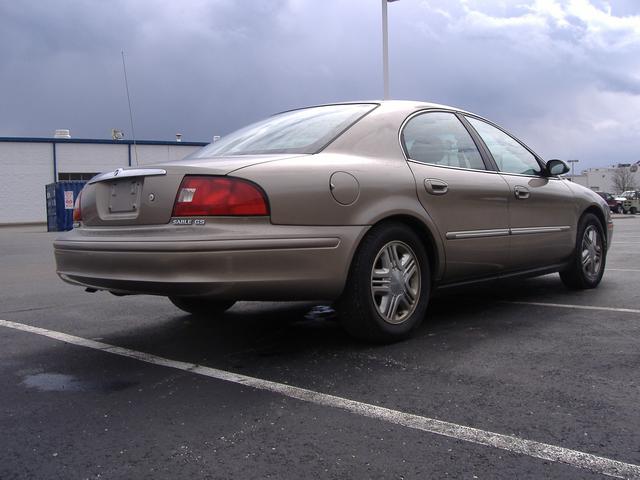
x: 514, y: 380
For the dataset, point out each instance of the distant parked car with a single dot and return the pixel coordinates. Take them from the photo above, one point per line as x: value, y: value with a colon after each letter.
x: 371, y: 205
x: 614, y: 205
x: 630, y: 201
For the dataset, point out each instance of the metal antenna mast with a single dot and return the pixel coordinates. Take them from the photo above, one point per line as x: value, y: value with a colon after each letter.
x: 385, y: 49
x: 126, y: 84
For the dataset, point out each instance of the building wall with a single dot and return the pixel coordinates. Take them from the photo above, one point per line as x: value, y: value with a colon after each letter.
x: 27, y: 166
x: 579, y: 179
x: 148, y: 154
x: 601, y: 179
x: 88, y: 158
x: 175, y: 152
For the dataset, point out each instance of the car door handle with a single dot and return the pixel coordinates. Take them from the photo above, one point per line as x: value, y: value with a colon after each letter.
x: 435, y: 186
x: 521, y: 192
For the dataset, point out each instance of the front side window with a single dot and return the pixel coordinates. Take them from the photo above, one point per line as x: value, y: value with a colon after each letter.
x: 630, y: 195
x: 300, y: 131
x: 509, y: 155
x: 439, y: 138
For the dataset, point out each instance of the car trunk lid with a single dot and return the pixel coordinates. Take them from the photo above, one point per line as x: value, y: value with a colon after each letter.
x: 146, y: 195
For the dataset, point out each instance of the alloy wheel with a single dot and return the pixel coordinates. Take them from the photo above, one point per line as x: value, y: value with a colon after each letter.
x: 591, y: 255
x: 395, y: 282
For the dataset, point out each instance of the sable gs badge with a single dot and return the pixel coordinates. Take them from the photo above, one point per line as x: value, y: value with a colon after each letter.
x: 188, y: 221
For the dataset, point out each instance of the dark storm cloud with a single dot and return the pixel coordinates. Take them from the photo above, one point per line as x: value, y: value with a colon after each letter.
x: 563, y: 74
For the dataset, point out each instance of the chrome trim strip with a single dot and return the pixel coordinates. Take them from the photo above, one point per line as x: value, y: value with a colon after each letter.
x: 452, y: 167
x: 499, y: 232
x: 132, y: 172
x: 190, y: 246
x: 526, y: 175
x: 551, y: 177
x: 534, y: 230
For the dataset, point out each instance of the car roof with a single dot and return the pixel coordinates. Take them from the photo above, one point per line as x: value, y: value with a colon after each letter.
x: 408, y: 105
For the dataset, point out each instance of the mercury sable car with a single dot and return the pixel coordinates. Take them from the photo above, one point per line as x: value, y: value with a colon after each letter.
x: 370, y: 205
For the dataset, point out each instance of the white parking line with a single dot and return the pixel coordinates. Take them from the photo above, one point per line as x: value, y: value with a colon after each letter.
x: 578, y: 307
x: 544, y: 451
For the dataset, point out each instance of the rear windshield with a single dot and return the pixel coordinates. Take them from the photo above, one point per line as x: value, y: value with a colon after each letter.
x: 300, y: 131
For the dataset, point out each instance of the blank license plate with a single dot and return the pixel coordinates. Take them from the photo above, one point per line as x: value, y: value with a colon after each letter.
x: 125, y: 196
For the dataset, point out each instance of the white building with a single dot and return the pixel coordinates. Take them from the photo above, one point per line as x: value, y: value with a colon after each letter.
x: 601, y: 179
x: 28, y: 164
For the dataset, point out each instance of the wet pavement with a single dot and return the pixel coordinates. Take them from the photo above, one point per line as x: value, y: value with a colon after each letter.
x: 560, y: 374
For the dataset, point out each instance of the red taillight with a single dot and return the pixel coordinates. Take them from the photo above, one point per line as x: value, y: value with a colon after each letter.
x: 205, y: 196
x: 77, y: 208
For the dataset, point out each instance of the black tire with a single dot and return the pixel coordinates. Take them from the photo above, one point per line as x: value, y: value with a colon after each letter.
x: 358, y: 306
x: 579, y: 276
x: 633, y: 210
x: 202, y: 307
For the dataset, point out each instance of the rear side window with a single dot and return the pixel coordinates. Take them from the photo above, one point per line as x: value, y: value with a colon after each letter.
x: 439, y: 138
x: 509, y: 155
x: 301, y: 131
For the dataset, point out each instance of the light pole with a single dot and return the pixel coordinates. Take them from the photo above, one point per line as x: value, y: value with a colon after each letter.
x: 385, y: 49
x: 572, y: 162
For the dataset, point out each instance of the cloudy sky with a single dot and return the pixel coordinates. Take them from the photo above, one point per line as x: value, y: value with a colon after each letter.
x: 563, y: 75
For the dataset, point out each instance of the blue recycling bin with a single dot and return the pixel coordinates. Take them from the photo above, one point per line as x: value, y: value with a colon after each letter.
x: 60, y: 197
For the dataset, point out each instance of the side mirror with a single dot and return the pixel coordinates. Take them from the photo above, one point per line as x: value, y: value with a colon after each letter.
x: 556, y: 167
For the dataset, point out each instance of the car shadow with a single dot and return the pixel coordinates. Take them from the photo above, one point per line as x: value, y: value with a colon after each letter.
x: 304, y: 345
x: 257, y: 333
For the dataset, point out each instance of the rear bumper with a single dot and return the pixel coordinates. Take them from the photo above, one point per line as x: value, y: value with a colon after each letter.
x: 251, y: 260
x: 609, y: 231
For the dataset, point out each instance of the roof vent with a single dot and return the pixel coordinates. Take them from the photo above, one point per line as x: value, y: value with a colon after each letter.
x: 62, y: 133
x: 178, y: 137
x: 116, y: 134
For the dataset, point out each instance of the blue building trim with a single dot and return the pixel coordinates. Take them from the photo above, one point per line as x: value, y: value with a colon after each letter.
x: 99, y: 141
x: 55, y: 163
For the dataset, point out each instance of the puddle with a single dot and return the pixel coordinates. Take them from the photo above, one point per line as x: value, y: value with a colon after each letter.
x: 52, y: 382
x: 59, y: 382
x: 321, y: 313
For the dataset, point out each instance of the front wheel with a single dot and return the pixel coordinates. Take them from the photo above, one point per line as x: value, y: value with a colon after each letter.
x: 388, y: 288
x: 587, y: 265
x: 202, y: 307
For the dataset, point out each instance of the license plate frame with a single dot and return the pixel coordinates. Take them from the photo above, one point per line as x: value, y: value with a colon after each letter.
x: 124, y: 195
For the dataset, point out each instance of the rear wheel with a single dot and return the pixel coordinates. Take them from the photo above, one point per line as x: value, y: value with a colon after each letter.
x: 202, y: 307
x: 587, y: 266
x: 633, y: 210
x: 388, y: 287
